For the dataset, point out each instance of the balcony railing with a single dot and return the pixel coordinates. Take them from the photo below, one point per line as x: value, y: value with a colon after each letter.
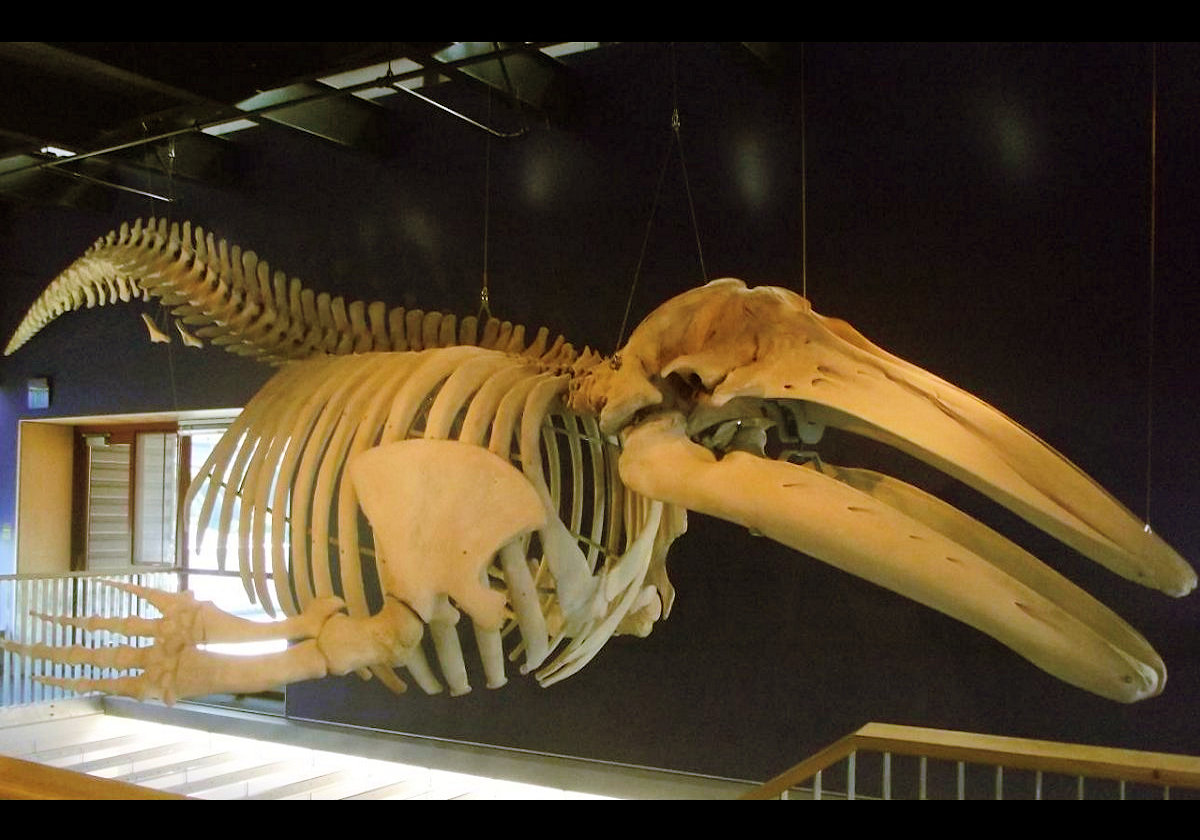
x: 940, y: 764
x: 879, y: 761
x: 23, y: 597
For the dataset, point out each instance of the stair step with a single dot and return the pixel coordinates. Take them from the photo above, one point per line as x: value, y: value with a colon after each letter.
x: 206, y: 765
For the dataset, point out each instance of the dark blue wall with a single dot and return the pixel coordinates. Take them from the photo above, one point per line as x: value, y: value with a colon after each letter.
x: 981, y: 211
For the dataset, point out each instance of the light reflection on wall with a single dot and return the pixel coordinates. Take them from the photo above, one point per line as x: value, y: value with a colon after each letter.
x: 751, y: 170
x: 1012, y: 132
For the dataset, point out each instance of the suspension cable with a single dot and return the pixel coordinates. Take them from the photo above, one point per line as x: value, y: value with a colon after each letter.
x: 677, y: 145
x: 1153, y: 266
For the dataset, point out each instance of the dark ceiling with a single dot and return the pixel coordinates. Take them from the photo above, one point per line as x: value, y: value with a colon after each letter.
x: 168, y: 106
x: 115, y: 105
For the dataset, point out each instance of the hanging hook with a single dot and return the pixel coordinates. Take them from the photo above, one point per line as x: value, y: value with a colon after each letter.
x: 484, y: 309
x: 676, y: 124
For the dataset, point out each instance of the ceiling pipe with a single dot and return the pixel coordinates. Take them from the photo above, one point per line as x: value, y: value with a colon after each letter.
x: 70, y: 173
x: 463, y: 117
x: 388, y: 80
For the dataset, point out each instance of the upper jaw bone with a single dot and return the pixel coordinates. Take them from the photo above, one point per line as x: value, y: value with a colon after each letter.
x: 767, y: 343
x: 925, y: 552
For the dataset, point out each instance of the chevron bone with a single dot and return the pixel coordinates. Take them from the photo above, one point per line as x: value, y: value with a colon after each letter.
x: 377, y: 492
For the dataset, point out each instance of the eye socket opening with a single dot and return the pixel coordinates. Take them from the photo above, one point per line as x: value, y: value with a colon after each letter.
x: 686, y: 387
x: 688, y: 380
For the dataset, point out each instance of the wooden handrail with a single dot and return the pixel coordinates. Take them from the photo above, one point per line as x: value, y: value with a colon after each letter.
x: 1160, y: 769
x: 27, y: 780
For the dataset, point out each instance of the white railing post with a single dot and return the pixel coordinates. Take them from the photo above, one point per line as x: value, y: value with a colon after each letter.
x: 1161, y: 771
x: 68, y: 594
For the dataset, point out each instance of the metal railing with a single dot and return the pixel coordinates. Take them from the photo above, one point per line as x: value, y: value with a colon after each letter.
x: 879, y: 761
x: 941, y: 764
x: 22, y: 597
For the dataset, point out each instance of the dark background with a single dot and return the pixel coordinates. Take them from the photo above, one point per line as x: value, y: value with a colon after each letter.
x: 982, y: 211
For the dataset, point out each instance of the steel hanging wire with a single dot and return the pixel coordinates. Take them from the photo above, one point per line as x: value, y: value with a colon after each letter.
x: 803, y: 179
x: 164, y: 318
x: 637, y: 271
x: 1153, y: 266
x: 675, y: 146
x: 687, y: 186
x: 485, y: 309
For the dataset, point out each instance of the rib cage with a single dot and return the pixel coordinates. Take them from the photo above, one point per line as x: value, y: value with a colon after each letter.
x: 569, y: 586
x: 359, y: 375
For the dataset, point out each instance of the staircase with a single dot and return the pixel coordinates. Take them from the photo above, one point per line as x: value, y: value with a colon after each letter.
x: 210, y: 754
